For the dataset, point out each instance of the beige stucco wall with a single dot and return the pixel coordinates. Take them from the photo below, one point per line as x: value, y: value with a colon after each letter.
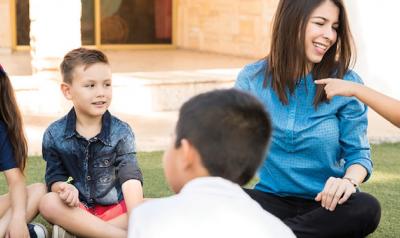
x: 5, y: 26
x: 237, y: 27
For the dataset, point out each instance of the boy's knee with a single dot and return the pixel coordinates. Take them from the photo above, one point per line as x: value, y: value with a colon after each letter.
x: 49, y: 206
x: 37, y: 188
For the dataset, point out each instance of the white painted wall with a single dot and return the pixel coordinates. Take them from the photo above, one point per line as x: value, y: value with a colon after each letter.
x: 376, y: 29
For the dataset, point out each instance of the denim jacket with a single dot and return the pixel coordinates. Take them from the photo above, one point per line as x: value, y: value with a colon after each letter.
x: 98, y: 166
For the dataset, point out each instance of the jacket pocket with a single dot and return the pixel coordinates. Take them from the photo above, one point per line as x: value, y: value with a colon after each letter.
x: 105, y: 161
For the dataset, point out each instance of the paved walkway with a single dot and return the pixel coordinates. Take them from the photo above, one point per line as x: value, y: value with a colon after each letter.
x: 153, y: 130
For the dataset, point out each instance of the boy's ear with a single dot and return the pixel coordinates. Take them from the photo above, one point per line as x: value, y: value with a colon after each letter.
x: 187, y: 153
x: 66, y: 90
x: 190, y: 156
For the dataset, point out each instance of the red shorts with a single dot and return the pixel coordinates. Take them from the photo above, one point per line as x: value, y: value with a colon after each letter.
x: 106, y: 213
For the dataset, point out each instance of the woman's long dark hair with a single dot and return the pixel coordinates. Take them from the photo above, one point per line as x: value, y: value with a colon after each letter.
x: 11, y: 116
x: 287, y: 59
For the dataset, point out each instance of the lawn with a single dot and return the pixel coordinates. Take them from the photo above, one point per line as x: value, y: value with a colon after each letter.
x: 384, y: 183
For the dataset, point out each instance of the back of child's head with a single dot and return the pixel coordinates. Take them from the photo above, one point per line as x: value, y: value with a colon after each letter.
x: 12, y: 119
x: 230, y: 129
x: 80, y: 57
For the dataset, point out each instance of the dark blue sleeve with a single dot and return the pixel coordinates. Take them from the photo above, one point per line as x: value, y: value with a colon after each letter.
x: 7, y: 160
x: 126, y: 161
x: 55, y: 170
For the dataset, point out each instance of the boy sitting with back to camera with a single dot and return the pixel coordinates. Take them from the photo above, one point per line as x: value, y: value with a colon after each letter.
x: 221, y: 138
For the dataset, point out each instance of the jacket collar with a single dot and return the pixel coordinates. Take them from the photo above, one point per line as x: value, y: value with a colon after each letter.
x: 103, y: 136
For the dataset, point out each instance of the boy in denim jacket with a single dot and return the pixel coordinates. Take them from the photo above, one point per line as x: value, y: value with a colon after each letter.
x: 91, y: 166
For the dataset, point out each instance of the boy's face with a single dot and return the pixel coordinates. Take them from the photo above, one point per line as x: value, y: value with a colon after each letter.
x: 182, y: 164
x: 90, y: 90
x: 172, y: 169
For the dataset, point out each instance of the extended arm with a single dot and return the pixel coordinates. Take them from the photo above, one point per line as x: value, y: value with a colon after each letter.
x: 386, y: 106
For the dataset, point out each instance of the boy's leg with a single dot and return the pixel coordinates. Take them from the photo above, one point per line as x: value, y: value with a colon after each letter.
x: 120, y: 221
x: 357, y: 217
x: 76, y: 220
x: 116, y: 215
x: 34, y: 193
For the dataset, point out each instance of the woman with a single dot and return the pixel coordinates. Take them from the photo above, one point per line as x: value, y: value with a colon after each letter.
x: 319, y: 152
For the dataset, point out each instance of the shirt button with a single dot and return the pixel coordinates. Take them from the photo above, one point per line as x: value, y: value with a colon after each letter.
x: 88, y: 177
x: 106, y: 162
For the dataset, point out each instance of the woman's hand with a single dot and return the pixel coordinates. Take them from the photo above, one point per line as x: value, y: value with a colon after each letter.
x: 334, y: 87
x: 336, y: 191
x: 17, y: 228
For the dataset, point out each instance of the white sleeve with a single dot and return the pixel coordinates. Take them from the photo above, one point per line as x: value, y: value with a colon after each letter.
x: 134, y: 225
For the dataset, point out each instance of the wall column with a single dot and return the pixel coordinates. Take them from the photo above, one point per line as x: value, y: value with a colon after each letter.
x: 55, y: 30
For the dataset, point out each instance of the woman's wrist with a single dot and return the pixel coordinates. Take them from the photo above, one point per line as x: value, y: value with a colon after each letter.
x: 352, y: 181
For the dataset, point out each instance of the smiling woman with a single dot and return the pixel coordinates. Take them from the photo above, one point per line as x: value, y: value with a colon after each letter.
x: 319, y: 153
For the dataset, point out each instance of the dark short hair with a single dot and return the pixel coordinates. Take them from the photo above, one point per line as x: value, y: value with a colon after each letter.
x: 79, y: 57
x: 229, y: 128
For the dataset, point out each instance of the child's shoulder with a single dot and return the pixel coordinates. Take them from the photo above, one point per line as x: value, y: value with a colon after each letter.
x: 117, y: 121
x: 118, y: 125
x: 3, y: 131
x: 57, y: 126
x: 166, y: 204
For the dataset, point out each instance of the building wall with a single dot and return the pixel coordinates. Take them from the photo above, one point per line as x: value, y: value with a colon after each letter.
x: 236, y: 27
x: 377, y: 36
x: 5, y: 26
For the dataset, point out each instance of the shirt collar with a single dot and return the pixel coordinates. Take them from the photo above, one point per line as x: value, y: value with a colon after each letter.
x: 103, y: 136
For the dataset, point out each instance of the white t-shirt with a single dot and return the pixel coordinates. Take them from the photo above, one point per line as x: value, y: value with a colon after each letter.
x: 206, y: 207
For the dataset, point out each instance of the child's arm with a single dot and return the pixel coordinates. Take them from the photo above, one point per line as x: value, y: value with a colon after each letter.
x: 18, y: 197
x: 133, y: 193
x: 129, y: 174
x: 386, y: 106
x: 56, y: 174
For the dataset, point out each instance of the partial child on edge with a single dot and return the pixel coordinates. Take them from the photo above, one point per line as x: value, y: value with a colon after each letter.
x: 20, y: 205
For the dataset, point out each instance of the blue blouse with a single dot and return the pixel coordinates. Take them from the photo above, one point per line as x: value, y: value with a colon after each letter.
x: 308, y: 145
x: 7, y: 160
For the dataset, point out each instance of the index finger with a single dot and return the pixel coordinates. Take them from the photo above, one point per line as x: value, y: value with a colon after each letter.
x: 322, y: 81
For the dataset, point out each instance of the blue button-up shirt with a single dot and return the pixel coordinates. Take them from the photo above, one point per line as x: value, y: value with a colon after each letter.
x: 308, y: 145
x: 99, y: 166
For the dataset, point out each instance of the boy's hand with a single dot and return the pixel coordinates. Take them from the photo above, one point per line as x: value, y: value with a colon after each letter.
x: 69, y: 194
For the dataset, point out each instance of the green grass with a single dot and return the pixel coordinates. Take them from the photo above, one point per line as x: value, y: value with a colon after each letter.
x: 384, y: 183
x: 385, y: 186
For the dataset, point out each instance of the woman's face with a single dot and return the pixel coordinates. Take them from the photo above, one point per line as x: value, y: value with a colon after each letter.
x: 321, y: 32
